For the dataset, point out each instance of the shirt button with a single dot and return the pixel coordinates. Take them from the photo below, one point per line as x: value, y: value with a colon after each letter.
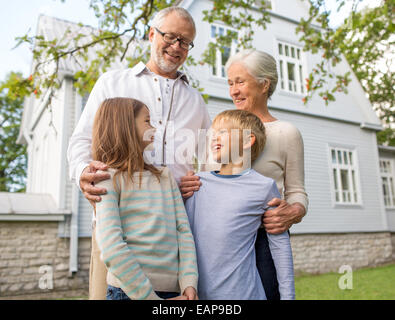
x: 155, y: 79
x: 165, y: 142
x: 160, y: 121
x: 158, y: 99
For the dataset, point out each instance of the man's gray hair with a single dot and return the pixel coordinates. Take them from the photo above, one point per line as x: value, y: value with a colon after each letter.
x: 261, y: 65
x: 161, y: 15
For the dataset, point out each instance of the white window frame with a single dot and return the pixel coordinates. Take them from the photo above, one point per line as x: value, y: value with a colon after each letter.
x: 295, y: 56
x: 389, y: 200
x: 349, y: 165
x: 219, y: 66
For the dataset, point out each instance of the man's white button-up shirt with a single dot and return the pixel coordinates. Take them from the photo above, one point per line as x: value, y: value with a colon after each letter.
x: 177, y: 129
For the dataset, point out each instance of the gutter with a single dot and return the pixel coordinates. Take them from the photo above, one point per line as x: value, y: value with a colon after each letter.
x: 363, y: 125
x: 386, y: 148
x: 75, y: 197
x: 73, y: 262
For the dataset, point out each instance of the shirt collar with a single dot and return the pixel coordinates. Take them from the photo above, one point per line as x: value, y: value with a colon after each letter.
x: 142, y: 68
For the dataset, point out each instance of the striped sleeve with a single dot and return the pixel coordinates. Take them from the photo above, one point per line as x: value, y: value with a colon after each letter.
x: 115, y: 253
x: 188, y: 271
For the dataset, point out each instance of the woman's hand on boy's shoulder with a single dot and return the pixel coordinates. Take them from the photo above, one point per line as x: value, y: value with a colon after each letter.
x: 189, y: 184
x: 89, y: 177
x: 281, y: 218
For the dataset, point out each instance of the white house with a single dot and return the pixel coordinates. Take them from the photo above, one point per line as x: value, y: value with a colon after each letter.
x: 349, y: 179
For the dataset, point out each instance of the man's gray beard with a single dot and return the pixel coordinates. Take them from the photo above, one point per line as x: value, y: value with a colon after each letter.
x: 159, y: 60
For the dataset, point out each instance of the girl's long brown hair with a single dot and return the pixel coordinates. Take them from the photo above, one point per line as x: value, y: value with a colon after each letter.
x: 115, y: 141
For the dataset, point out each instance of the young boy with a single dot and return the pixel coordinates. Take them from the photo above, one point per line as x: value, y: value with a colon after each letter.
x: 226, y: 213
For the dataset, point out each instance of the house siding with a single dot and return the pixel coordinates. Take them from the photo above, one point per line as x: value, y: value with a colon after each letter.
x: 353, y: 107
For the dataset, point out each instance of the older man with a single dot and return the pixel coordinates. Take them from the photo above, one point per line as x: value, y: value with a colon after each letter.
x: 174, y: 106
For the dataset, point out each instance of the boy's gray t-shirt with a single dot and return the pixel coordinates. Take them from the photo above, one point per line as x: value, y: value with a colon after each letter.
x: 225, y: 215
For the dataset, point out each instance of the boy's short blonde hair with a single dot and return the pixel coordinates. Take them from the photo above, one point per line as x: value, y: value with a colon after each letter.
x: 245, y: 120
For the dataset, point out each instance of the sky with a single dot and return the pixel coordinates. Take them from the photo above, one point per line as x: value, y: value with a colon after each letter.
x: 18, y: 17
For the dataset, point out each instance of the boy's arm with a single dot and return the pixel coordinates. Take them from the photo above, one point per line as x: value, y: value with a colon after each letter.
x: 114, y: 251
x: 281, y: 251
x: 188, y: 273
x: 280, y: 248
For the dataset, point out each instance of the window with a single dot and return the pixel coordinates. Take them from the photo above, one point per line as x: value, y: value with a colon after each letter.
x: 387, y: 179
x: 267, y: 5
x: 345, y: 176
x: 222, y: 56
x: 291, y: 68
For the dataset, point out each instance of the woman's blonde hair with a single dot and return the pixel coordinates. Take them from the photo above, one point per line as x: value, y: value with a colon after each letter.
x: 115, y: 140
x: 245, y: 120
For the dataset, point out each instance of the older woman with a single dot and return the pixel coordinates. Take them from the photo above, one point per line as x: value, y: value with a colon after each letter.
x: 252, y: 79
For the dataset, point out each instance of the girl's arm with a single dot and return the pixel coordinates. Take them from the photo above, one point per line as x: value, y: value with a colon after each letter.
x: 114, y: 251
x: 188, y: 272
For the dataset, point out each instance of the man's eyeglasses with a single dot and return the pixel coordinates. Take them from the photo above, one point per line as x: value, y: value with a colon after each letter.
x: 170, y: 38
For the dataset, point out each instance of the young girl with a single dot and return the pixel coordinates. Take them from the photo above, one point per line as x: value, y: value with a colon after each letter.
x: 141, y: 226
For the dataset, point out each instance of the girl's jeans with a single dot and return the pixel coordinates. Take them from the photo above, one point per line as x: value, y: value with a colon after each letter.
x: 114, y: 293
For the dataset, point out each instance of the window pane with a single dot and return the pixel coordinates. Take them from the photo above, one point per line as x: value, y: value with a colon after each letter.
x: 280, y: 48
x: 225, y: 55
x: 286, y: 51
x: 281, y: 74
x: 392, y: 191
x: 234, y: 36
x: 350, y: 157
x: 213, y: 56
x: 213, y: 31
x: 339, y: 157
x: 335, y: 178
x: 301, y: 79
x: 293, y: 52
x: 291, y: 76
x: 353, y: 180
x: 298, y: 51
x: 334, y: 156
x: 221, y: 31
x: 345, y: 157
x: 381, y: 165
x: 385, y: 191
x: 344, y: 179
x: 354, y: 186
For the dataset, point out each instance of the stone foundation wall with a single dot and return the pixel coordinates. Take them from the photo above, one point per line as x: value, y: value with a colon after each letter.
x: 321, y: 253
x: 25, y: 247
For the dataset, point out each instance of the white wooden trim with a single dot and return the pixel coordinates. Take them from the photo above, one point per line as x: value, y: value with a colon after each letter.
x: 33, y: 217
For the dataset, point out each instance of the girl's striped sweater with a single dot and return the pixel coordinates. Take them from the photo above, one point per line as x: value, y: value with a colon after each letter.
x: 144, y: 235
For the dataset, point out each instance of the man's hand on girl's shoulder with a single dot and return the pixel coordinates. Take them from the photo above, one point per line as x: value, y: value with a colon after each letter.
x: 89, y: 177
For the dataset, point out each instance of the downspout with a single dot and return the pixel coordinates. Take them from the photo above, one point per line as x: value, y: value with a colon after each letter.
x: 75, y: 195
x: 73, y: 263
